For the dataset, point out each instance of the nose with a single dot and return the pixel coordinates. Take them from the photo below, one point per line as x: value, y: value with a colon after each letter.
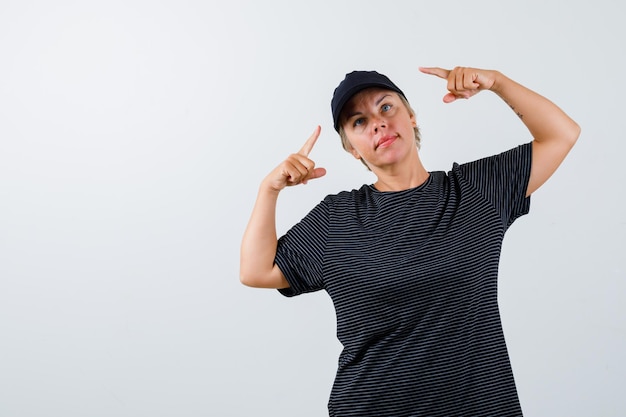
x: 379, y: 122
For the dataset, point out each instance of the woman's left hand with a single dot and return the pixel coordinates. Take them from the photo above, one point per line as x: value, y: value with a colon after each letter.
x: 463, y: 82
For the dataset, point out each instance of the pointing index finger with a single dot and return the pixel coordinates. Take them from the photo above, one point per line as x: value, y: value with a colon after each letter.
x: 439, y: 72
x: 310, y: 142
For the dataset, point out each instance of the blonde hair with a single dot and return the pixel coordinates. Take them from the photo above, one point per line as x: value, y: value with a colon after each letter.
x: 346, y: 144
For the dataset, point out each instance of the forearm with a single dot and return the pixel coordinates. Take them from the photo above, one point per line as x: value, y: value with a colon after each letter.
x: 554, y: 132
x: 258, y: 247
x: 544, y: 119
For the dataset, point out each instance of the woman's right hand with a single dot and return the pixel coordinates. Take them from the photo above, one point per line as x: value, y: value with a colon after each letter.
x: 258, y: 247
x: 297, y: 168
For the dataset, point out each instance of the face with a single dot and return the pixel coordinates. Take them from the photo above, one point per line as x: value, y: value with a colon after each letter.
x: 379, y: 128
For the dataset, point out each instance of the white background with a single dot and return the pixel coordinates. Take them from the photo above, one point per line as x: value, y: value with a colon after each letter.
x: 133, y: 137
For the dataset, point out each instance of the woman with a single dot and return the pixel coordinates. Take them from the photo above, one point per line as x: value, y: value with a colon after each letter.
x: 410, y: 261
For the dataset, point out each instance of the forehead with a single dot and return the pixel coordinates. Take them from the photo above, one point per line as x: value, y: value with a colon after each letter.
x: 369, y: 96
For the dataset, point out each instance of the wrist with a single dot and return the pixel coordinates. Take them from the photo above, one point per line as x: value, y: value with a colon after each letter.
x: 498, y: 80
x: 267, y: 189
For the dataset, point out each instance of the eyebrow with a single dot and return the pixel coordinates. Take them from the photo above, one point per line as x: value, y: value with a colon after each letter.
x: 382, y: 98
x: 352, y: 114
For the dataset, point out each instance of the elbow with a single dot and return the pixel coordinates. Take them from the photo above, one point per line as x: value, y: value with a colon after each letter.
x: 246, y: 278
x: 246, y: 281
x: 567, y: 137
x: 250, y: 270
x: 574, y: 133
x: 251, y: 279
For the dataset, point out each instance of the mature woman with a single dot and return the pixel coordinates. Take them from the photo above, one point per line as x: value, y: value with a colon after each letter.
x: 411, y: 261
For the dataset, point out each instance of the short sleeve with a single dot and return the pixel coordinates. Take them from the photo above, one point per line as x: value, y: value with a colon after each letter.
x: 300, y: 252
x: 502, y: 180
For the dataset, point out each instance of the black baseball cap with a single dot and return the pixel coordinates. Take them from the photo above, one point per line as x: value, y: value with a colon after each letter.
x: 352, y: 84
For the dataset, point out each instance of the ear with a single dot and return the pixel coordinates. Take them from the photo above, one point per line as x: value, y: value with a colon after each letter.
x: 354, y: 153
x: 413, y: 120
x: 350, y: 149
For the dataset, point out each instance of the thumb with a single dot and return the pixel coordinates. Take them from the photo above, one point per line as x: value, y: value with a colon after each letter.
x: 449, y: 98
x: 316, y: 173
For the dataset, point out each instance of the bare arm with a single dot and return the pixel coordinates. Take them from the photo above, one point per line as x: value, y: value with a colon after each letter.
x: 258, y: 247
x: 553, y: 131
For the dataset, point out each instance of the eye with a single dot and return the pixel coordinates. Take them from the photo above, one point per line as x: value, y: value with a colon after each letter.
x: 385, y: 107
x: 358, y: 122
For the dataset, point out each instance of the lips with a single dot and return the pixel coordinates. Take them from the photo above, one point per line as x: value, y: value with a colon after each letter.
x: 385, y: 141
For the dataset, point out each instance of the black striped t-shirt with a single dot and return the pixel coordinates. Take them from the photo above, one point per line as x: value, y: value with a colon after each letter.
x: 413, y: 278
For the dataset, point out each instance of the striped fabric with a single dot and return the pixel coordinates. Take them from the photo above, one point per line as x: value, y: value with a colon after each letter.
x: 413, y: 278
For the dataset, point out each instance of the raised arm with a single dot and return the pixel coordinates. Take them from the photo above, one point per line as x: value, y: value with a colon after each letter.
x: 258, y: 247
x: 553, y: 131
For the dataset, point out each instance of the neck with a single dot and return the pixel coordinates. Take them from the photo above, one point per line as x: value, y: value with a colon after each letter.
x: 399, y: 178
